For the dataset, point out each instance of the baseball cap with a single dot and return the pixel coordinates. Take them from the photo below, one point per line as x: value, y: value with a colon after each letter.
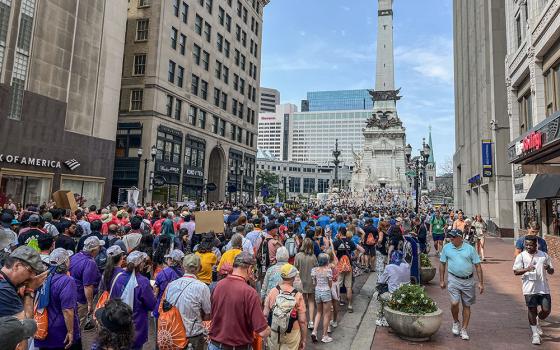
x: 244, y: 258
x: 175, y: 255
x: 136, y: 258
x: 454, y: 233
x: 47, y: 216
x: 114, y: 250
x: 29, y: 256
x: 92, y: 242
x: 59, y: 256
x: 288, y: 271
x: 15, y: 222
x: 191, y: 261
x: 34, y: 218
x: 13, y: 331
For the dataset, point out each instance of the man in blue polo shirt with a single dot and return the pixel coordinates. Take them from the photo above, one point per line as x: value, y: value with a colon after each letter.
x: 458, y: 259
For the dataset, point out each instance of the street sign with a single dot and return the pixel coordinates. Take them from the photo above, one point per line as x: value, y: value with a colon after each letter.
x: 159, y: 181
x: 211, y: 187
x: 410, y: 173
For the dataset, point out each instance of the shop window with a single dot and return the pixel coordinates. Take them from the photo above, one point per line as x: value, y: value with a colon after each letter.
x: 194, y: 153
x: 127, y: 139
x: 554, y: 218
x: 24, y: 190
x: 528, y: 211
x: 86, y: 192
x: 168, y: 148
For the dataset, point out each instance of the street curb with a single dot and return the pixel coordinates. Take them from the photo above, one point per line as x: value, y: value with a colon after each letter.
x: 366, y: 331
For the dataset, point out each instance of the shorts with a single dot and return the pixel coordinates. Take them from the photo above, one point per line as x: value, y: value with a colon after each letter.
x: 369, y: 250
x: 345, y: 279
x: 323, y: 296
x: 438, y: 237
x: 460, y: 290
x: 534, y: 300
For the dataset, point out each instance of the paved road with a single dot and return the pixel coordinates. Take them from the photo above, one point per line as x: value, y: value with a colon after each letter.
x: 499, y: 318
x: 89, y: 337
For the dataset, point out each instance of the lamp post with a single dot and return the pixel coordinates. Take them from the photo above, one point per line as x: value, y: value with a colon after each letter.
x: 153, y: 152
x: 237, y: 170
x: 417, y: 166
x: 336, y: 154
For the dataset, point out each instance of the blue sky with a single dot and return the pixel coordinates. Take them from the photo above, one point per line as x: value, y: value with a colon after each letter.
x: 313, y: 45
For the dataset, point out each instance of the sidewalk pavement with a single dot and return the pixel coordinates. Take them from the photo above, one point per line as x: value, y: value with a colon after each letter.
x: 499, y: 318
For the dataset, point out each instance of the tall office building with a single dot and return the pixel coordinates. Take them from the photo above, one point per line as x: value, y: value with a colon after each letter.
x: 339, y: 100
x: 533, y: 107
x: 482, y: 174
x: 313, y: 135
x: 60, y: 66
x: 274, y: 131
x: 269, y: 99
x: 190, y: 90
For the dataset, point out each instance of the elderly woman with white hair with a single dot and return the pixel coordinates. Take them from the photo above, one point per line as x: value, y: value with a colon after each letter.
x: 135, y: 290
x: 272, y: 277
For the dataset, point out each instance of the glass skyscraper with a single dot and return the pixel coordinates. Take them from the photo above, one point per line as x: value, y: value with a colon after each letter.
x: 341, y: 100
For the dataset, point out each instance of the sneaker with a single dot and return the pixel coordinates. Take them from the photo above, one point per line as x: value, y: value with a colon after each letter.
x: 456, y: 328
x: 464, y: 334
x: 314, y: 337
x: 536, y: 339
x: 327, y: 339
x: 350, y: 309
x: 539, y: 330
x: 341, y: 303
x: 333, y: 324
x: 310, y: 325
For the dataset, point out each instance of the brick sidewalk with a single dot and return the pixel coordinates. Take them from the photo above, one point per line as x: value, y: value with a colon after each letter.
x: 499, y: 318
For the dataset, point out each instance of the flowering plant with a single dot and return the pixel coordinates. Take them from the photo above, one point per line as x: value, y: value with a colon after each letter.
x: 425, y: 261
x: 412, y: 299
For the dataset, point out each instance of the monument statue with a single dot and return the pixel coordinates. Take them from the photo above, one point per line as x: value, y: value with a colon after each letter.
x: 358, y: 160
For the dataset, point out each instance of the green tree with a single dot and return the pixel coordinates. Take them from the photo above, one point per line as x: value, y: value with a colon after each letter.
x: 269, y: 180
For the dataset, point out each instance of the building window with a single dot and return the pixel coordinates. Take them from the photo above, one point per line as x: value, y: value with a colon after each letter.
x: 218, y: 69
x: 198, y: 25
x: 143, y: 3
x: 142, y: 26
x: 215, y: 124
x: 196, y: 54
x: 242, y: 62
x: 219, y: 41
x: 308, y: 185
x: 234, y: 107
x: 222, y: 129
x: 552, y: 90
x: 168, y: 148
x: 235, y: 82
x: 242, y: 86
x: 88, y: 192
x: 525, y: 113
x: 221, y: 15
x: 182, y: 44
x: 225, y: 75
x: 244, y: 39
x: 207, y: 31
x: 194, y: 85
x: 204, y: 89
x: 209, y: 4
x: 233, y: 132
x: 202, y: 119
x: 194, y: 154
x: 226, y: 48
x: 294, y: 185
x: 184, y: 12
x: 205, y: 60
x: 228, y: 23
x: 239, y: 8
x: 239, y: 134
x: 171, y: 72
x: 193, y: 111
x: 217, y: 95
x: 241, y: 107
x: 136, y: 98
x: 180, y: 76
x: 237, y: 57
x: 238, y: 32
x: 518, y: 30
x: 528, y: 211
x: 224, y: 101
x: 176, y: 8
x: 174, y: 38
x: 169, y: 105
x: 140, y: 64
x: 24, y: 35
x: 178, y: 106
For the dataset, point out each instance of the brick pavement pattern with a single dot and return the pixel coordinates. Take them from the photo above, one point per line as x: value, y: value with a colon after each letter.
x: 499, y: 318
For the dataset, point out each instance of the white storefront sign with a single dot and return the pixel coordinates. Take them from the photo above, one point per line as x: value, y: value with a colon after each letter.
x: 37, y: 162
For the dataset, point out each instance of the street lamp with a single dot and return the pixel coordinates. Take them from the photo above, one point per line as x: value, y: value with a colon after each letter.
x: 153, y: 152
x: 417, y: 166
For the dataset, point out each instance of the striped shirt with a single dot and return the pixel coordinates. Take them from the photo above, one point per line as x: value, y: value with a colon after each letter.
x: 190, y: 296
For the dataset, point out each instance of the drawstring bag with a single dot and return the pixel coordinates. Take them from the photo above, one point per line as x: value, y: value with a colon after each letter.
x: 171, y: 332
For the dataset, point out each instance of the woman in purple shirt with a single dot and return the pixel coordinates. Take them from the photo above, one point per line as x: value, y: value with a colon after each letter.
x: 169, y: 274
x: 143, y: 301
x: 115, y: 259
x: 62, y: 308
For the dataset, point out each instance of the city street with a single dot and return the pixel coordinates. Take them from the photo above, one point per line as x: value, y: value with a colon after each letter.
x: 499, y: 318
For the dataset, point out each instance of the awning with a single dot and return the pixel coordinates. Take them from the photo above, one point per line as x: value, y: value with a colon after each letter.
x: 545, y: 186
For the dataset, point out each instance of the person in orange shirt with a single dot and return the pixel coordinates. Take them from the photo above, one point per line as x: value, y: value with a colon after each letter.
x: 225, y: 267
x: 459, y: 224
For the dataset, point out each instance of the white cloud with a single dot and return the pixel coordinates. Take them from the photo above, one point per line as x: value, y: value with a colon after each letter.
x: 431, y: 60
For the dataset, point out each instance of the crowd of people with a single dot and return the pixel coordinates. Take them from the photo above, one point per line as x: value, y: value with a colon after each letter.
x: 274, y: 274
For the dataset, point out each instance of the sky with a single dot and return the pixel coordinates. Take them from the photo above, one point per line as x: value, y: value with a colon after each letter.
x: 315, y: 45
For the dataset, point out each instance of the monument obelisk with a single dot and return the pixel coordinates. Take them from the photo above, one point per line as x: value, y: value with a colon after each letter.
x: 382, y: 161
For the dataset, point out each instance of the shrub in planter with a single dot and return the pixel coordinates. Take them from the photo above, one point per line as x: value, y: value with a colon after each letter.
x: 425, y: 261
x: 412, y: 314
x: 427, y: 271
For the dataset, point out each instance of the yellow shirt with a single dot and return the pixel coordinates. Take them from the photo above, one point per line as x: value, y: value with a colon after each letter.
x: 207, y: 261
x: 228, y: 258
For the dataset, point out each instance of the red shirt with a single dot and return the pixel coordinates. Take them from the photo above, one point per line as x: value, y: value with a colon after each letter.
x: 157, y: 226
x: 235, y: 305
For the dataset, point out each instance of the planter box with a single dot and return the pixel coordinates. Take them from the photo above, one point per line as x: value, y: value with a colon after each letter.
x: 413, y: 327
x: 427, y: 274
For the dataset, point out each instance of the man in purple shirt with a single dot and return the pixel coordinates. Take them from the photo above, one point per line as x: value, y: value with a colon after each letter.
x: 64, y: 328
x: 86, y: 275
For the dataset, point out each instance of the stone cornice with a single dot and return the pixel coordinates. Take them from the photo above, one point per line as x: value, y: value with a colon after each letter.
x: 550, y: 12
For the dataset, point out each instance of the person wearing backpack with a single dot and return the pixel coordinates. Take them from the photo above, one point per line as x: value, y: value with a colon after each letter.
x: 284, y: 308
x: 192, y: 298
x: 370, y: 241
x: 291, y: 246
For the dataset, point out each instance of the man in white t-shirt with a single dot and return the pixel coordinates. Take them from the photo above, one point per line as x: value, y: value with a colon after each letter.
x: 533, y: 265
